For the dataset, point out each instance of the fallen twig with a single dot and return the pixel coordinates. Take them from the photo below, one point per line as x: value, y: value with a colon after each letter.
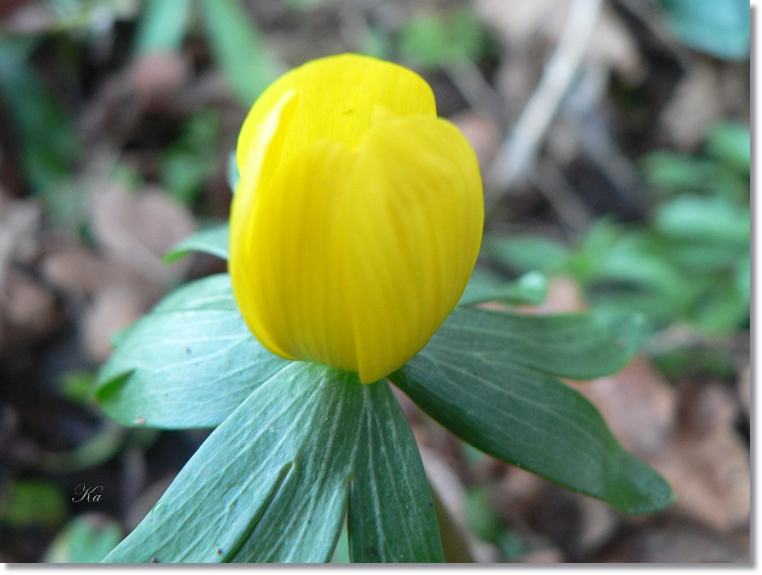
x: 521, y: 144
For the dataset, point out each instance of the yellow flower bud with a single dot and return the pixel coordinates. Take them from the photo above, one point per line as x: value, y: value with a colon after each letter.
x: 357, y: 218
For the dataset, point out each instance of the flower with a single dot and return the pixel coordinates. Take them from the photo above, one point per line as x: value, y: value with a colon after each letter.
x: 357, y: 218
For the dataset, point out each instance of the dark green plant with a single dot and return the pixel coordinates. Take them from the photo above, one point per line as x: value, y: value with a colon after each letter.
x: 299, y: 447
x: 692, y: 260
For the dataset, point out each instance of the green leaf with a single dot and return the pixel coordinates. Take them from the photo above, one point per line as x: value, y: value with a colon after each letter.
x: 214, y: 241
x: 303, y: 521
x: 631, y: 260
x: 528, y: 253
x: 85, y: 539
x: 720, y: 28
x: 480, y: 514
x: 341, y: 553
x: 84, y: 19
x: 377, y: 42
x: 391, y: 511
x: 511, y: 544
x: 531, y: 288
x: 657, y: 308
x: 731, y: 142
x: 239, y: 48
x: 578, y: 346
x: 192, y: 159
x: 48, y: 141
x: 162, y: 26
x: 305, y: 5
x: 672, y: 172
x: 226, y: 489
x: 613, y: 253
x: 699, y: 259
x: 95, y: 450
x: 189, y: 363
x: 183, y: 173
x: 272, y: 482
x: 705, y: 220
x: 484, y: 377
x: 233, y: 174
x: 432, y: 41
x: 723, y: 310
x: 743, y: 278
x: 695, y: 362
x: 33, y: 503
x: 77, y: 385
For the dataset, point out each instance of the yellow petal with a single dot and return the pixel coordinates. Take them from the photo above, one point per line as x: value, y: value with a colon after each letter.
x: 338, y: 97
x: 352, y: 256
x: 416, y: 220
x: 264, y: 155
x: 289, y: 283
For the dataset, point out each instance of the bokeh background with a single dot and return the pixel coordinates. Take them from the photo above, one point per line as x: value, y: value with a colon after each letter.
x: 614, y: 141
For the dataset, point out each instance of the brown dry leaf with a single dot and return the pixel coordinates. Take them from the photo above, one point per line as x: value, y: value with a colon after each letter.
x: 545, y: 555
x: 517, y: 492
x: 614, y: 46
x: 564, y: 296
x: 707, y: 462
x: 710, y: 477
x: 705, y: 408
x: 77, y: 269
x: 598, y: 521
x: 113, y: 309
x: 735, y: 87
x: 118, y: 295
x: 563, y: 140
x: 111, y: 115
x: 134, y: 230
x: 517, y: 23
x: 673, y: 543
x: 493, y: 306
x: 19, y: 223
x: 28, y: 310
x: 515, y: 80
x: 694, y: 107
x: 139, y: 228
x: 158, y: 78
x: 27, y: 305
x: 28, y: 18
x: 535, y: 505
x: 482, y: 133
x: 637, y: 403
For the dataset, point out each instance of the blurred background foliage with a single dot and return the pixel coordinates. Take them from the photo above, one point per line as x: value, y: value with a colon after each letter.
x: 117, y: 123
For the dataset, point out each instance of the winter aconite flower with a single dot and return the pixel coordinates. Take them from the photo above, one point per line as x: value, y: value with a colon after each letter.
x: 357, y: 218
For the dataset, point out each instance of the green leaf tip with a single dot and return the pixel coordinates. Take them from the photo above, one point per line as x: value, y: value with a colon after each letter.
x: 639, y: 489
x: 107, y: 389
x: 192, y: 361
x: 488, y: 378
x: 484, y: 285
x: 214, y: 241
